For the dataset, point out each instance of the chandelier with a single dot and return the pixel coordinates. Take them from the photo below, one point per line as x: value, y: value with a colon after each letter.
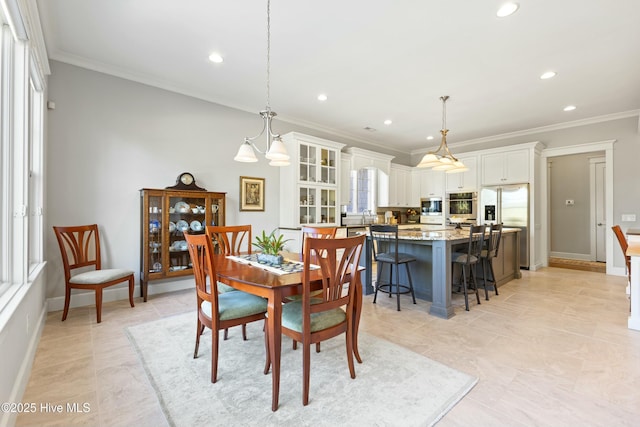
x: 275, y: 150
x: 442, y: 159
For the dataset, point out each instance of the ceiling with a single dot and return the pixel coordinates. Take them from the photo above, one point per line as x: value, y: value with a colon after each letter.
x: 375, y: 60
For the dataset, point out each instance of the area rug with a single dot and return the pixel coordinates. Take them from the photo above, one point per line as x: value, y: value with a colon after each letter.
x: 393, y: 386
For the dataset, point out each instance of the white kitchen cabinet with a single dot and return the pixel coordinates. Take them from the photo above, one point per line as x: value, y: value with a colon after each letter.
x: 463, y: 181
x: 415, y: 188
x: 507, y: 167
x: 345, y: 179
x: 309, y: 186
x: 431, y: 183
x: 400, y: 186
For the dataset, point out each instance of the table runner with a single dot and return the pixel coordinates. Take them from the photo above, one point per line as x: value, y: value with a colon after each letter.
x: 286, y: 267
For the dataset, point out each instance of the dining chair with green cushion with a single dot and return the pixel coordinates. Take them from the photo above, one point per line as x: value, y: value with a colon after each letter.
x: 468, y: 257
x: 80, y: 250
x: 318, y: 233
x: 331, y: 312
x: 218, y: 311
x: 230, y: 240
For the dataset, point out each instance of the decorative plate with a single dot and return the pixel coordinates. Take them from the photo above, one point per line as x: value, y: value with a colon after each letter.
x: 195, y: 225
x: 182, y: 225
x: 172, y: 227
x: 182, y: 207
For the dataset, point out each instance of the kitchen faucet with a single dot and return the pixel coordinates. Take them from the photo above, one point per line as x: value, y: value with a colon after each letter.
x: 367, y: 211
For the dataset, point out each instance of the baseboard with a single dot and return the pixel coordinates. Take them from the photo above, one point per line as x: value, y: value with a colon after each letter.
x: 569, y: 255
x: 22, y: 379
x: 83, y: 299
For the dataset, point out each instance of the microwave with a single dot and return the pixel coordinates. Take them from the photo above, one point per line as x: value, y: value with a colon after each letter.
x: 462, y: 205
x: 431, y: 206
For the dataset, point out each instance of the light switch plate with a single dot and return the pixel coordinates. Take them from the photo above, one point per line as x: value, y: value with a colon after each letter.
x: 629, y: 217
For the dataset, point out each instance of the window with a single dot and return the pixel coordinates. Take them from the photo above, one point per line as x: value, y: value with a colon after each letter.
x: 21, y: 157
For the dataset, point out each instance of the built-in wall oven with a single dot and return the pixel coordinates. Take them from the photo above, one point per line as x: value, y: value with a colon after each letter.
x: 431, y: 210
x: 463, y: 205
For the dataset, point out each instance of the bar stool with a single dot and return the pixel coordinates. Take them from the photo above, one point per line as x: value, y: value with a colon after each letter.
x: 384, y: 242
x: 487, y: 255
x: 467, y: 260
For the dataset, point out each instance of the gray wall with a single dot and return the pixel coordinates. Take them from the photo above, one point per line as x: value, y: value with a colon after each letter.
x: 109, y: 137
x: 570, y: 225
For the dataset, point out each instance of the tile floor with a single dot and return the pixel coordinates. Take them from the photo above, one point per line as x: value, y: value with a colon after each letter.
x: 553, y: 349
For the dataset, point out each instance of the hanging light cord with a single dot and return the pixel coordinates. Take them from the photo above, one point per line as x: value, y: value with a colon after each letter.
x: 268, y: 55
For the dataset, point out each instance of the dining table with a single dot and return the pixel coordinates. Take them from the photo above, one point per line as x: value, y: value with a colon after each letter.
x: 275, y: 287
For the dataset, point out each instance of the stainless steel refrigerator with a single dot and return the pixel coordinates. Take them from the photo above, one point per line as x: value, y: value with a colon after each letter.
x: 509, y: 205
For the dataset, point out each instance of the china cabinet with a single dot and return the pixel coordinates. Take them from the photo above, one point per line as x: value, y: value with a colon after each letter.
x: 165, y: 215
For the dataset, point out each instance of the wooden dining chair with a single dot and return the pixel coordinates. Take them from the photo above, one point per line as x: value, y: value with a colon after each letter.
x: 317, y: 318
x: 80, y: 249
x: 230, y: 240
x: 218, y: 311
x: 622, y: 240
x: 317, y: 233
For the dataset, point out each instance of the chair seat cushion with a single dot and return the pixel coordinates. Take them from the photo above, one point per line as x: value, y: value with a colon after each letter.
x: 391, y: 257
x: 292, y: 317
x: 233, y: 305
x: 99, y: 276
x: 298, y: 297
x: 462, y: 258
x: 223, y: 287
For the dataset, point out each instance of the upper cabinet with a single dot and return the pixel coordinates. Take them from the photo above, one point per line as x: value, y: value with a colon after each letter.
x: 431, y: 183
x: 400, y: 193
x: 507, y: 167
x: 463, y: 181
x: 310, y: 185
x: 345, y: 179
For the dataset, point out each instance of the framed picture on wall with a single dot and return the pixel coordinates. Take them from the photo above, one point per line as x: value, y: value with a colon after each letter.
x: 251, y: 194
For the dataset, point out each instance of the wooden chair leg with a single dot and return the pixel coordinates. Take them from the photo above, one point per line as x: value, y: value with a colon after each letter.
x: 244, y: 331
x: 294, y: 345
x: 199, y: 332
x: 99, y: 304
x: 214, y: 356
x: 131, y: 285
x: 306, y: 372
x: 226, y: 334
x: 317, y: 347
x: 267, y: 364
x: 67, y: 297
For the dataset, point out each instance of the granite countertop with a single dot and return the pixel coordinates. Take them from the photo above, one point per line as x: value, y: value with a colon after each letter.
x: 438, y: 232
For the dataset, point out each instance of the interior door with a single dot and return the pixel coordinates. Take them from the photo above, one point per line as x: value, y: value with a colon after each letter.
x: 601, y: 219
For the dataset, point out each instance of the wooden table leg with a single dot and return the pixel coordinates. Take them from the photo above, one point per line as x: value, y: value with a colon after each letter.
x: 274, y: 324
x: 356, y: 315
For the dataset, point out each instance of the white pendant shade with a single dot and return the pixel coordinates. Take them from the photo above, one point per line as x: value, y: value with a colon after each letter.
x: 277, y: 151
x: 245, y: 154
x: 279, y: 163
x: 428, y: 161
x: 444, y: 167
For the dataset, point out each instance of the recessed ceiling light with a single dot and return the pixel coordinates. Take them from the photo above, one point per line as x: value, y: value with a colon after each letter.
x: 548, y: 75
x: 215, y: 58
x: 507, y: 9
x: 322, y: 97
x: 388, y: 122
x: 430, y: 137
x: 569, y: 108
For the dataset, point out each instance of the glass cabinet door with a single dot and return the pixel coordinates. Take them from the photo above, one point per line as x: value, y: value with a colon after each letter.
x: 155, y: 247
x: 308, y: 208
x: 308, y: 163
x: 328, y: 207
x: 328, y: 167
x: 185, y: 214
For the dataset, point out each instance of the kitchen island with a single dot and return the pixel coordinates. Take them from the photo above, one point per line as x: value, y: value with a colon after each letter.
x: 432, y: 246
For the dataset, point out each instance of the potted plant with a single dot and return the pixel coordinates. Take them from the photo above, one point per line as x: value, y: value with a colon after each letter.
x: 270, y: 245
x: 412, y: 216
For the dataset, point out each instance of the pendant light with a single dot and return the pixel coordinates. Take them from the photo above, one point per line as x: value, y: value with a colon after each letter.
x: 442, y: 159
x: 275, y: 149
